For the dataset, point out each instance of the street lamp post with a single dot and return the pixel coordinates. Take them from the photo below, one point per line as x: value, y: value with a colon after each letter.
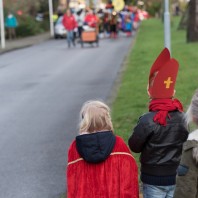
x: 167, y: 34
x: 2, y: 25
x: 51, y: 17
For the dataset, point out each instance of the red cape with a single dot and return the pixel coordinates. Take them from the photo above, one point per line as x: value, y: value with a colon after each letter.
x: 116, y: 177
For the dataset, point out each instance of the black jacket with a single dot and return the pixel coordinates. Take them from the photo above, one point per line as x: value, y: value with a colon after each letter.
x: 160, y: 146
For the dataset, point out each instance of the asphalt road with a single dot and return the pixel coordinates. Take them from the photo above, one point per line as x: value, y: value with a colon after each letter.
x: 42, y: 89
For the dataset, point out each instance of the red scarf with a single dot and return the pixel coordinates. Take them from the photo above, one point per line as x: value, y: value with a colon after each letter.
x: 163, y: 106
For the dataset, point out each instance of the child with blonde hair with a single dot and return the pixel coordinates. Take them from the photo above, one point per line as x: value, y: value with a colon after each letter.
x: 187, y: 176
x: 99, y: 162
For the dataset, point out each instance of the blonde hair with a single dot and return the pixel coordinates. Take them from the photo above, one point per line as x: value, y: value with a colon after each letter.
x: 95, y: 116
x: 192, y: 112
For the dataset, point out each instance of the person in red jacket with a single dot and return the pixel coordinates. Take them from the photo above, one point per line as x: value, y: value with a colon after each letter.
x: 70, y: 24
x: 91, y: 19
x: 99, y: 162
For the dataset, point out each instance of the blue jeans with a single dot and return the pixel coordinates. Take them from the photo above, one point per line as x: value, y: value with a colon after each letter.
x: 70, y: 38
x: 151, y: 191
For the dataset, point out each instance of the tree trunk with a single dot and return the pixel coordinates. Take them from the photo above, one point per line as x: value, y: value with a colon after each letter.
x: 184, y: 20
x: 192, y: 30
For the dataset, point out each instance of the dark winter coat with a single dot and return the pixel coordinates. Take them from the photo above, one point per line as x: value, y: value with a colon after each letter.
x: 187, y: 178
x: 160, y: 146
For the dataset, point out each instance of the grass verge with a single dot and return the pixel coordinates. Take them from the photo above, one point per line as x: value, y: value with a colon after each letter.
x: 132, y: 99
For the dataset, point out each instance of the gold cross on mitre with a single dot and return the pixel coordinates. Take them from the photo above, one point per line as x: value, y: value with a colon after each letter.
x: 168, y: 82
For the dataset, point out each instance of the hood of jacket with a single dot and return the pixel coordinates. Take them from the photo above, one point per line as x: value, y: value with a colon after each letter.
x: 95, y: 147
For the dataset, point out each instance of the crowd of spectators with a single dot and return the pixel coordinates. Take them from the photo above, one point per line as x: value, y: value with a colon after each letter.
x: 108, y: 22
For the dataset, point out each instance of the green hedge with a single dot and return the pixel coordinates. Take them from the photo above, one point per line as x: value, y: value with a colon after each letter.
x: 29, y: 26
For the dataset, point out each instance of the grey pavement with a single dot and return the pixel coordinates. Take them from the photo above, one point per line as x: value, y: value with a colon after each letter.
x: 42, y: 89
x: 24, y: 42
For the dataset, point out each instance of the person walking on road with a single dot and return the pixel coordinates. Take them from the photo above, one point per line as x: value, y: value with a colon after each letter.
x: 187, y: 173
x: 70, y: 24
x: 99, y: 162
x: 160, y: 133
x: 80, y: 15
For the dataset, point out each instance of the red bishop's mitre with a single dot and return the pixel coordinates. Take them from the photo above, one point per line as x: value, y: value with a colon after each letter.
x: 163, y: 76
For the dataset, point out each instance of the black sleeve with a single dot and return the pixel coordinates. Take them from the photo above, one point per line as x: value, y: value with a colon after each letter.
x: 138, y: 138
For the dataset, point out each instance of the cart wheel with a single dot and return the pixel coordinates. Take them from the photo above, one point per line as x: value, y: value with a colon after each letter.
x: 97, y: 43
x: 82, y: 44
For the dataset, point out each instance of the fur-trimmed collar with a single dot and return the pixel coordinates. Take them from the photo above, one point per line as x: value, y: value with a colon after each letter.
x: 193, y: 135
x: 195, y: 154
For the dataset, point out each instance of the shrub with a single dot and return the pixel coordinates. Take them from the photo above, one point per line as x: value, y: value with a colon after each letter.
x: 29, y: 26
x: 154, y: 8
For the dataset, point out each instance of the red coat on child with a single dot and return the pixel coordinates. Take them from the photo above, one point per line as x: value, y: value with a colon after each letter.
x: 115, y: 177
